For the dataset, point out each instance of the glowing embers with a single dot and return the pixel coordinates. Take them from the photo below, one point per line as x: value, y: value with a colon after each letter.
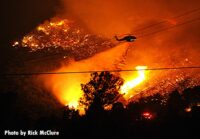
x: 188, y: 109
x: 147, y: 115
x: 134, y: 81
x: 16, y: 43
x: 54, y: 33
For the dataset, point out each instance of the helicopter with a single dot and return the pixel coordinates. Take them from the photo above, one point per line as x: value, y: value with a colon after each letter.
x: 128, y: 38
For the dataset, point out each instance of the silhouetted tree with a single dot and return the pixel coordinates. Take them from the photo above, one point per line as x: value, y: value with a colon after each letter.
x: 70, y: 113
x: 191, y: 96
x: 175, y: 104
x: 102, y: 90
x: 118, y: 115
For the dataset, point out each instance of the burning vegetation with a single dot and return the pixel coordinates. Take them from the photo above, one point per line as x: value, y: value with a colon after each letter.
x: 64, y: 36
x: 56, y: 33
x: 86, y: 79
x: 67, y: 35
x: 63, y: 33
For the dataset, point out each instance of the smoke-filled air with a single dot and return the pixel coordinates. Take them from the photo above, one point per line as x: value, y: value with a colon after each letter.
x: 84, y: 32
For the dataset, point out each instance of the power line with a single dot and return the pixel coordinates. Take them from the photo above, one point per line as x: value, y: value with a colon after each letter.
x: 147, y: 34
x: 141, y: 29
x: 75, y: 72
x: 168, y: 28
x: 165, y: 29
x: 165, y: 21
x: 92, y: 71
x: 141, y: 36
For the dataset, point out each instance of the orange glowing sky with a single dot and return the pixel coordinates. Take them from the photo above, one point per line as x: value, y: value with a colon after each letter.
x: 67, y: 88
x: 172, y: 48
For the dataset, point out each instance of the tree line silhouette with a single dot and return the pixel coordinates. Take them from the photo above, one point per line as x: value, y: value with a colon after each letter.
x: 173, y: 115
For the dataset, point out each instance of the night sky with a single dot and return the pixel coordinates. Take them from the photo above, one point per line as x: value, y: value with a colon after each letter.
x: 20, y: 16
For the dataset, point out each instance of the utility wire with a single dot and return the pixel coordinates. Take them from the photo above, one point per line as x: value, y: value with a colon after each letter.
x: 147, y: 34
x: 92, y: 71
x: 142, y: 29
x: 168, y: 28
x: 141, y: 36
x: 75, y: 72
x: 165, y: 21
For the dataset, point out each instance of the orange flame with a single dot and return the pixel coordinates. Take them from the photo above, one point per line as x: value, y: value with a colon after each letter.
x: 67, y: 88
x: 133, y: 82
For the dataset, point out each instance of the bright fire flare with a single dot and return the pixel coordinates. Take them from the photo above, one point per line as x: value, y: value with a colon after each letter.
x: 135, y: 81
x: 73, y: 104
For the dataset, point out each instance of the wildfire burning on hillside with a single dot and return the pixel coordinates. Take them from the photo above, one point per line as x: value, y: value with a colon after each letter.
x: 57, y: 33
x: 64, y: 34
x: 168, y: 50
x: 65, y: 37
